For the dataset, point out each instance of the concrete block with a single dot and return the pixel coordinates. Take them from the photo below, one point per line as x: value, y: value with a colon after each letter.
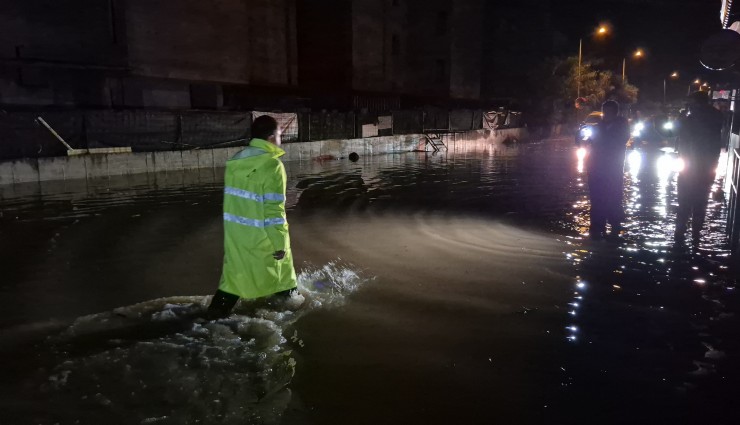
x: 220, y: 156
x: 190, y: 160
x: 170, y: 179
x: 142, y: 163
x: 314, y: 150
x: 22, y: 190
x: 96, y: 166
x: 233, y: 151
x: 6, y: 172
x: 124, y: 164
x: 357, y: 146
x: 208, y: 175
x: 69, y: 189
x: 167, y: 161
x: 25, y: 170
x: 51, y: 168
x: 75, y: 168
x: 331, y: 148
x: 205, y: 158
x: 291, y: 152
x: 7, y: 191
x: 190, y: 178
x: 304, y: 151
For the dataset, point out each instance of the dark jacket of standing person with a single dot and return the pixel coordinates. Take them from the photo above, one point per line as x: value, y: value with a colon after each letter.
x: 699, y: 145
x: 605, y: 169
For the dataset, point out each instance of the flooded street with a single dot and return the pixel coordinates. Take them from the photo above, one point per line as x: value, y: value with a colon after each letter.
x: 439, y: 289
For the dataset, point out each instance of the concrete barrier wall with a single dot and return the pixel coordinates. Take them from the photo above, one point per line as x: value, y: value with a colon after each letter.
x: 97, y: 166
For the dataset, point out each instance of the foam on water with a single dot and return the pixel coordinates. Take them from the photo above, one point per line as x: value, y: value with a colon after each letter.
x: 158, y: 362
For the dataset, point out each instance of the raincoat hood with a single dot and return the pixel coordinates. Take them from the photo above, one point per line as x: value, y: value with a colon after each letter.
x: 268, y: 147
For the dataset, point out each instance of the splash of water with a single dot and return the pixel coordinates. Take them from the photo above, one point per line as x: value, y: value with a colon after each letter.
x: 161, y: 362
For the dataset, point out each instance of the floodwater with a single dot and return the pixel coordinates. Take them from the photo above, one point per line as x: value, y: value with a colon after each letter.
x: 435, y: 289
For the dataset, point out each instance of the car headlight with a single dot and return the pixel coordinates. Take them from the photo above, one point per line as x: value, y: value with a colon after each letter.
x: 639, y: 126
x: 668, y: 125
x: 586, y: 133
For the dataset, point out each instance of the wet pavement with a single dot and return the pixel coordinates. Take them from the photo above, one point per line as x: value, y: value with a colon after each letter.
x: 452, y: 288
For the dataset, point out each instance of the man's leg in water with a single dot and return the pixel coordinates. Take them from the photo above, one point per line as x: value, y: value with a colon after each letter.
x: 221, y: 304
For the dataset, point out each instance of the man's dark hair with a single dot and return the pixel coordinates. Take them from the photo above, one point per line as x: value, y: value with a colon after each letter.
x: 263, y: 127
x: 610, y: 104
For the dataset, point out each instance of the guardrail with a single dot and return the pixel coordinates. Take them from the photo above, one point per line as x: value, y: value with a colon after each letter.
x: 733, y: 210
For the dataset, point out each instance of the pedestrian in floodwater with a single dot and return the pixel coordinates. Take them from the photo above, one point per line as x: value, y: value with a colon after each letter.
x: 699, y: 145
x: 257, y: 257
x: 605, y: 170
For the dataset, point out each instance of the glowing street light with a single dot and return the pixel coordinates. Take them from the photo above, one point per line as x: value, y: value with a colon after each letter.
x: 638, y: 54
x: 673, y: 75
x: 603, y: 30
x: 697, y: 82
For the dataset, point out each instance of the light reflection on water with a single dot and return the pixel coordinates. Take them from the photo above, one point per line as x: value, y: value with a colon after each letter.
x: 484, y: 286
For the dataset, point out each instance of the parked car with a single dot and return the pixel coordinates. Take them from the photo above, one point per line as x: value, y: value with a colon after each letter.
x: 585, y: 130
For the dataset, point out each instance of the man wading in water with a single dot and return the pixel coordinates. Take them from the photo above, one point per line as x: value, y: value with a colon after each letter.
x: 257, y: 258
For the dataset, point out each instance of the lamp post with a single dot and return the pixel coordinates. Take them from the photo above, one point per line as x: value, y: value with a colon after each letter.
x: 697, y: 82
x: 601, y: 31
x: 638, y: 54
x: 673, y: 75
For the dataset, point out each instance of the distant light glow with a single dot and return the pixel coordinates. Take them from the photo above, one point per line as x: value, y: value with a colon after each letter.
x: 668, y: 125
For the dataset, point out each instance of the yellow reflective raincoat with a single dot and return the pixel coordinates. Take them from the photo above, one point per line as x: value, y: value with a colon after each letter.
x: 255, y: 225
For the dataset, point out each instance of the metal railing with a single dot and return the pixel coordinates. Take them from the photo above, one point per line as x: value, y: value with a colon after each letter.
x: 733, y: 207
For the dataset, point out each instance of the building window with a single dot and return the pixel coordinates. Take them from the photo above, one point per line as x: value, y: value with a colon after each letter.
x: 441, y: 23
x: 441, y: 71
x: 395, y: 45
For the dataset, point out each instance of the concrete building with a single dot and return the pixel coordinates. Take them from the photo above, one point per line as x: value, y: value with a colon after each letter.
x: 142, y: 53
x: 191, y: 54
x: 518, y: 37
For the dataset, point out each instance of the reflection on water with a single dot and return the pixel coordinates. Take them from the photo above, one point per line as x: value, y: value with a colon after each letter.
x: 486, y: 304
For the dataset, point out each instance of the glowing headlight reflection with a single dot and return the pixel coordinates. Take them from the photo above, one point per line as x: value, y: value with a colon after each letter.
x: 634, y: 160
x: 581, y: 153
x: 678, y: 165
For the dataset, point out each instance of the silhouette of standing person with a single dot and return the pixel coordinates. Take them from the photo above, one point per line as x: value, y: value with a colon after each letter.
x: 699, y: 145
x: 605, y: 170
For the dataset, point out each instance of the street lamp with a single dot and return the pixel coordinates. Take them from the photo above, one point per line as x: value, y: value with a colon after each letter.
x: 638, y: 54
x: 697, y: 82
x: 603, y: 30
x: 673, y: 75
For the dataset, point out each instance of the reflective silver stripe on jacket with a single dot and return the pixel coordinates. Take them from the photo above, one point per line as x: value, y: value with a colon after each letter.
x: 252, y: 222
x: 245, y: 194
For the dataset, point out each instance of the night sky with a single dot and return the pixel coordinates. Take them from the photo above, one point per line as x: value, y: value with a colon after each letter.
x: 670, y: 31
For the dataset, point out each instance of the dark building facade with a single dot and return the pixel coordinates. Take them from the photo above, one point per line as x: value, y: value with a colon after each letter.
x: 237, y: 53
x: 518, y: 37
